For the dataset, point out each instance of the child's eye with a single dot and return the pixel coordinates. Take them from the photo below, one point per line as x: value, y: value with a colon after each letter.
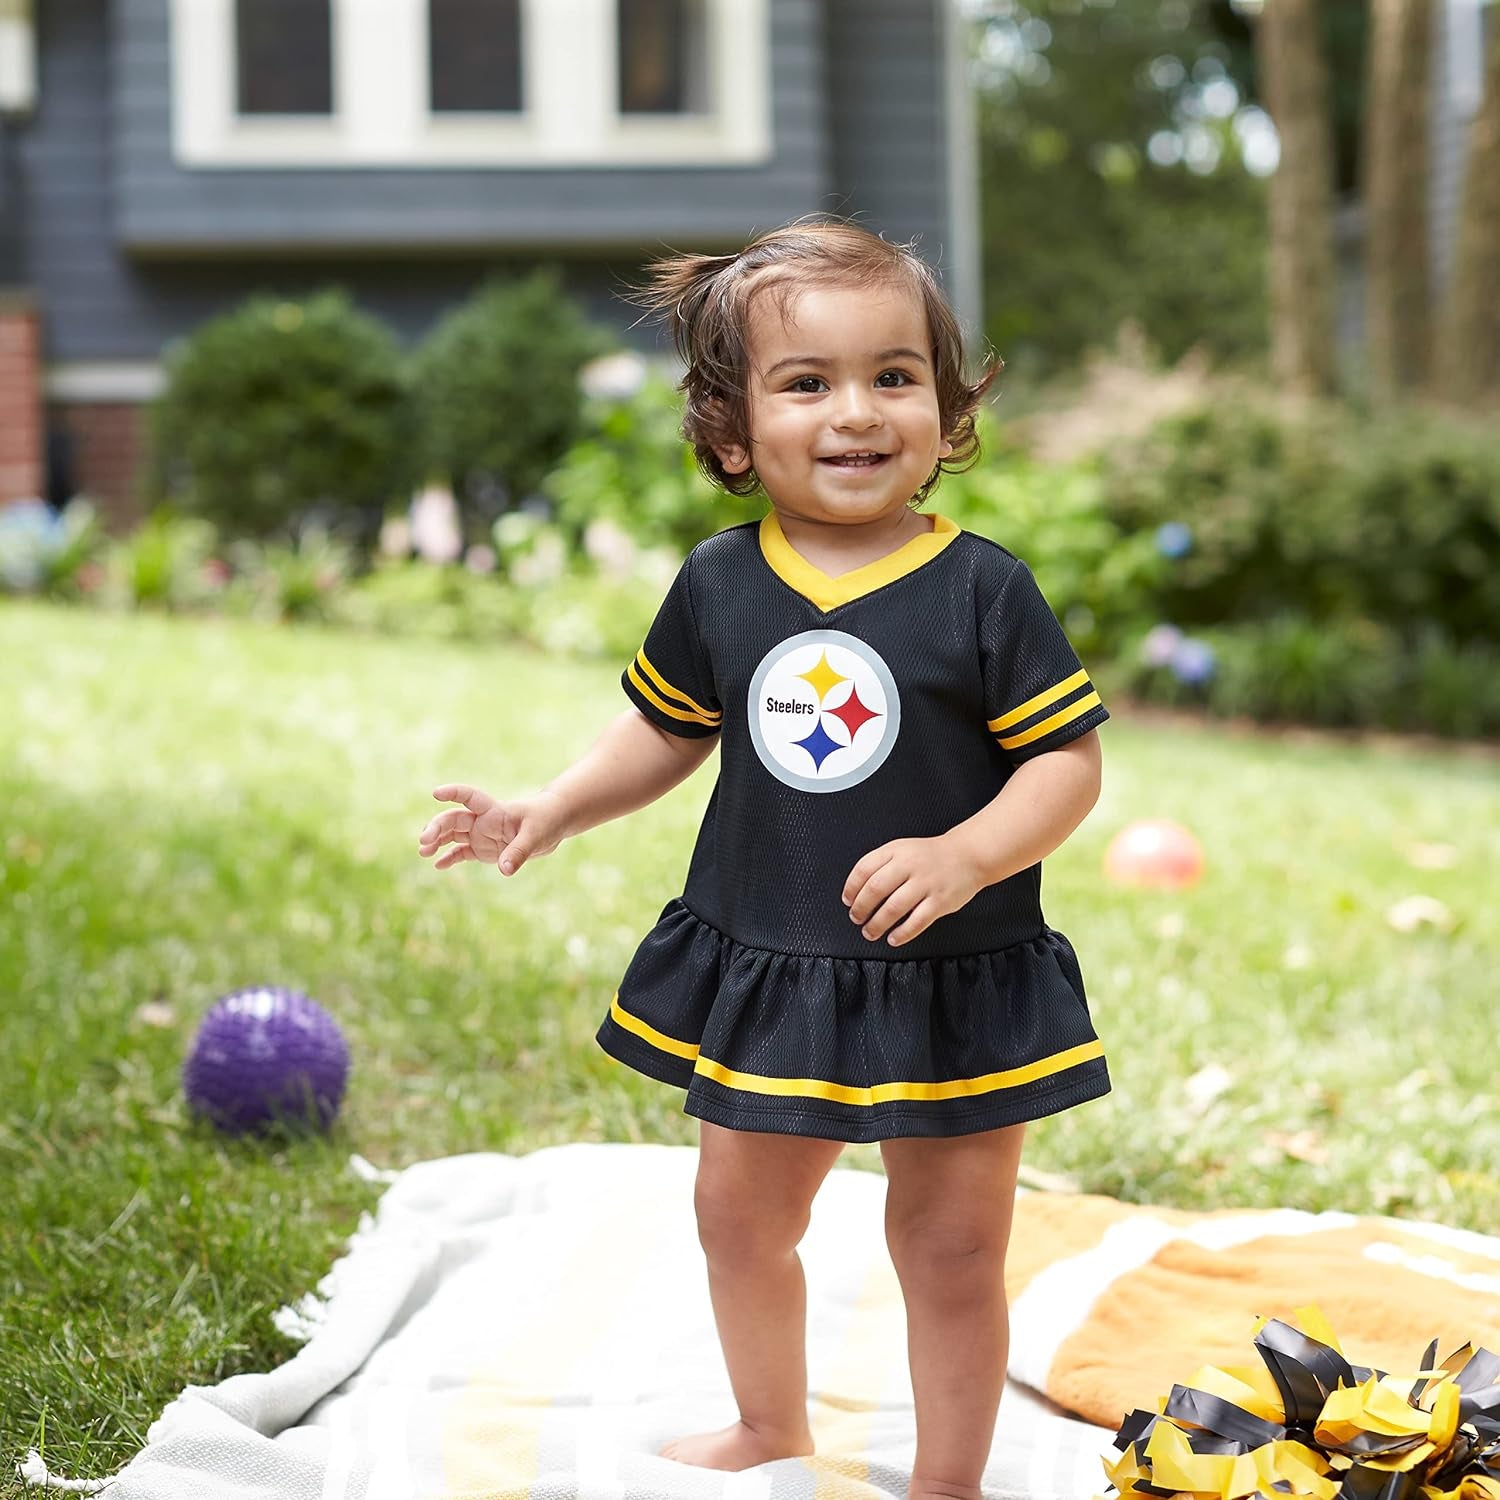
x: 801, y: 380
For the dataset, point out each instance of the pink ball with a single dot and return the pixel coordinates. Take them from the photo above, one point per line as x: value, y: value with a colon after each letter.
x: 1154, y: 851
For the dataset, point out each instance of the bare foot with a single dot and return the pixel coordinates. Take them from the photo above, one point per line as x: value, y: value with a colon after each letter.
x: 736, y: 1447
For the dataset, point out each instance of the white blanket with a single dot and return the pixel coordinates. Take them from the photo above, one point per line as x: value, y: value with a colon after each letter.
x: 535, y: 1327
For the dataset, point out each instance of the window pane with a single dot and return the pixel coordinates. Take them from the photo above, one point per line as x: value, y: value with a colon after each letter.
x: 663, y: 59
x: 284, y: 57
x: 474, y: 54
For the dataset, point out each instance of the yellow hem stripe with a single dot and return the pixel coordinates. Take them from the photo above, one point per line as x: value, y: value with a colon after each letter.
x: 677, y: 713
x: 669, y: 690
x: 1041, y: 700
x: 879, y: 1093
x: 828, y: 593
x: 1061, y: 717
x: 659, y: 1040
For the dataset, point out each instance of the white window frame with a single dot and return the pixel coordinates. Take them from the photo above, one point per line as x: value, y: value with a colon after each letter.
x: 381, y: 115
x: 17, y: 57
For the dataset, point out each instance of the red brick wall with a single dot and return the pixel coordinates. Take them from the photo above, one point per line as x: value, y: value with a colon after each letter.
x: 22, y: 464
x: 107, y: 442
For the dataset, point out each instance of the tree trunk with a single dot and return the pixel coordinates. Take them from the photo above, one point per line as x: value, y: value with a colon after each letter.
x: 1469, y: 358
x: 1398, y: 288
x: 1294, y: 79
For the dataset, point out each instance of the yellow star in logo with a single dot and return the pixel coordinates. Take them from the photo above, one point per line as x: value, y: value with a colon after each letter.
x: 822, y: 677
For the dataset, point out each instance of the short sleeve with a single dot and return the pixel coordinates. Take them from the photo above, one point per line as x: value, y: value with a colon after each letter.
x: 1037, y: 695
x: 670, y: 680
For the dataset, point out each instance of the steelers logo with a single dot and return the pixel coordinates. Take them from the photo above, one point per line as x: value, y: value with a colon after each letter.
x: 823, y: 711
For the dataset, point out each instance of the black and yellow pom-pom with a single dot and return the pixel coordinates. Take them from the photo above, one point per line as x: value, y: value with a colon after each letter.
x: 1307, y: 1422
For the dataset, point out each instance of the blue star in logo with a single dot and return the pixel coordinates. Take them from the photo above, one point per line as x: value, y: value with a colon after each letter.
x: 819, y: 744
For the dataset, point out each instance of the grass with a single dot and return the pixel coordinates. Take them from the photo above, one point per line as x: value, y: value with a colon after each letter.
x: 186, y: 808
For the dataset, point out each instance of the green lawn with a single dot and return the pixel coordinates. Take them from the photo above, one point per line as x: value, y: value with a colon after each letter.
x: 186, y: 808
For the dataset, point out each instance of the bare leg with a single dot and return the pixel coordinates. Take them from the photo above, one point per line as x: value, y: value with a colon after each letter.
x: 948, y: 1213
x: 754, y: 1200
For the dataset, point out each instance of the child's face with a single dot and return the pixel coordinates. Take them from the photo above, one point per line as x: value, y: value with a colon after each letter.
x: 849, y: 370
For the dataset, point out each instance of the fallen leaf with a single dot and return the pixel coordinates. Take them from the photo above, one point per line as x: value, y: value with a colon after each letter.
x: 1413, y: 912
x: 1431, y: 856
x: 1300, y: 1145
x: 1206, y: 1085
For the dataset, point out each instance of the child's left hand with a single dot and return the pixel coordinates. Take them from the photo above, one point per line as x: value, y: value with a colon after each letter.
x: 912, y: 882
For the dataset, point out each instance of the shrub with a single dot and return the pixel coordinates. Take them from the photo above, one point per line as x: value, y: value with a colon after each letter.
x: 435, y: 601
x: 1099, y: 578
x: 290, y: 580
x: 281, y: 411
x: 167, y: 562
x: 1349, y: 673
x: 1320, y: 513
x: 497, y: 386
x: 46, y: 551
x: 631, y: 466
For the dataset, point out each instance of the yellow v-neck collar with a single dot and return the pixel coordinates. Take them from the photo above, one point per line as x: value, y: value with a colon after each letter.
x: 827, y: 593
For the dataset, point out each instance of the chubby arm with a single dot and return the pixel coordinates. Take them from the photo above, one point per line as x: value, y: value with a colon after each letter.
x: 630, y: 764
x: 902, y: 888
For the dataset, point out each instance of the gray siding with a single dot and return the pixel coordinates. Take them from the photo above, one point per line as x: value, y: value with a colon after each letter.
x: 126, y: 251
x: 885, y: 84
x: 160, y: 207
x: 10, y: 207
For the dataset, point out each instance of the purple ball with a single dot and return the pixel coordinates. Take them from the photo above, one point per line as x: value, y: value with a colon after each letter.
x: 263, y: 1055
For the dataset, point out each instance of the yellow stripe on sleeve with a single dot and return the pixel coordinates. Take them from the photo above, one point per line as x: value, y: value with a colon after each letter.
x: 669, y: 690
x: 676, y: 713
x: 1061, y: 717
x: 1041, y: 700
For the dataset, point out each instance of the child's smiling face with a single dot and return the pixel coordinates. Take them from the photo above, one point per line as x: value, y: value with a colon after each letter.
x: 849, y: 371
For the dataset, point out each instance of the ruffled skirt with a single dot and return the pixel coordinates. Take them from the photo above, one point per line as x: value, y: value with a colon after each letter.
x: 856, y: 1049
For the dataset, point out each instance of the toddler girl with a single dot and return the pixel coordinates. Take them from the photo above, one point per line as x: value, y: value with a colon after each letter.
x: 859, y: 952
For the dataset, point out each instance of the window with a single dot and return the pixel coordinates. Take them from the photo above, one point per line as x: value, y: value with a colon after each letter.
x: 541, y: 84
x: 663, y: 57
x: 283, y: 57
x: 474, y: 55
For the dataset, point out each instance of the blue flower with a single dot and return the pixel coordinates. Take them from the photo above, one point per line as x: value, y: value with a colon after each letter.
x: 1193, y: 662
x: 1160, y: 645
x: 31, y: 533
x: 1174, y: 539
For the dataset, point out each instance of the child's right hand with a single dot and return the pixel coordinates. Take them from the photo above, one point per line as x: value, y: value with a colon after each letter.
x: 506, y: 834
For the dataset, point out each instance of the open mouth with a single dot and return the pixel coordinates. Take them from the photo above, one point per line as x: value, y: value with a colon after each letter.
x: 869, y: 461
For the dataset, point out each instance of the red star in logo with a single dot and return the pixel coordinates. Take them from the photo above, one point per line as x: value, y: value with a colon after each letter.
x: 853, y: 713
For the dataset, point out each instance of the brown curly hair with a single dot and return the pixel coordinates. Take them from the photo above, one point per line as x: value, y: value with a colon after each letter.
x: 705, y: 300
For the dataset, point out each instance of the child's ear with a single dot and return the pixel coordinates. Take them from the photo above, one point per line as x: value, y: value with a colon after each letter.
x: 733, y: 457
x: 944, y: 448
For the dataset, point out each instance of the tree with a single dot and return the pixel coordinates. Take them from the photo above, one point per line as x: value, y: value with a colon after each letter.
x: 1289, y: 60
x: 1114, y: 181
x: 1398, y: 290
x: 1469, y: 357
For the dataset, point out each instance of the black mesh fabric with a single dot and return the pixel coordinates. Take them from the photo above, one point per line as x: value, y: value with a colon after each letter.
x: 755, y: 991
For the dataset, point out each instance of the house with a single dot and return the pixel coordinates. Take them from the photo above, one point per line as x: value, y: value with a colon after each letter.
x: 162, y: 159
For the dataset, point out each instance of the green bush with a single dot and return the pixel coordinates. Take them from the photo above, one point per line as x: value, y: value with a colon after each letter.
x: 497, y: 387
x: 297, y: 580
x: 631, y: 466
x: 279, y: 411
x: 431, y: 600
x: 1099, y: 578
x: 47, y: 552
x: 1323, y: 513
x: 167, y: 563
x: 1338, y: 674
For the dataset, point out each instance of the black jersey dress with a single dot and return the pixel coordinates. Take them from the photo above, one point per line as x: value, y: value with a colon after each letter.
x: 890, y: 702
